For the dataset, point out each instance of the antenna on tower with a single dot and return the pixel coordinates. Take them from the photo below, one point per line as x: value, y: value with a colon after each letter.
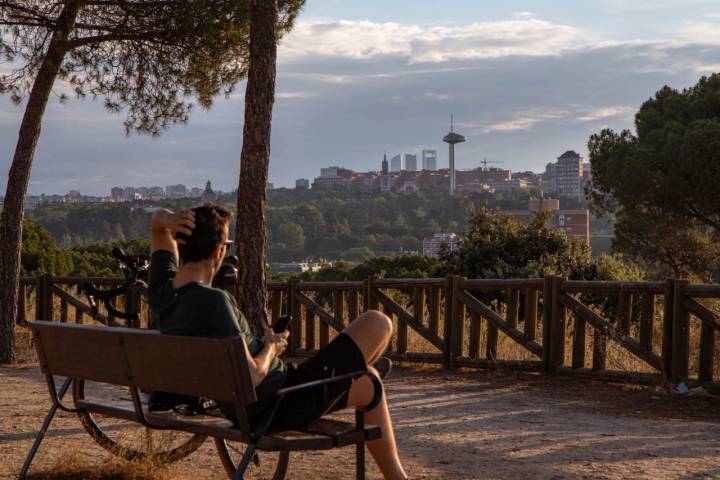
x: 451, y: 123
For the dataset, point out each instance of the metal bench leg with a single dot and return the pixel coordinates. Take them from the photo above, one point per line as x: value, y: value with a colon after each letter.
x: 360, y: 446
x: 43, y: 430
x: 246, y: 458
x: 360, y: 460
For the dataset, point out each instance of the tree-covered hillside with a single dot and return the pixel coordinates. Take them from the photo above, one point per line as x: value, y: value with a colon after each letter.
x: 302, y: 223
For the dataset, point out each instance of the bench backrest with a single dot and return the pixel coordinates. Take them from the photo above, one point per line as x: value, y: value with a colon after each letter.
x: 214, y: 368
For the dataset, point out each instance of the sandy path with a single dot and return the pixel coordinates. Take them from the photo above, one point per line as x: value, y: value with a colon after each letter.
x: 454, y: 425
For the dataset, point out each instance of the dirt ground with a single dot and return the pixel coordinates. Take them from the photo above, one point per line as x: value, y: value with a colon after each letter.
x: 464, y: 425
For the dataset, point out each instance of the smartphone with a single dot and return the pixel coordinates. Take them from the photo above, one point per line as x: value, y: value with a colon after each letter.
x: 282, y: 324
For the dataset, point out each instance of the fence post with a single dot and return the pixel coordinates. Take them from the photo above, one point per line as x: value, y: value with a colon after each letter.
x: 513, y: 307
x: 447, y: 323
x: 547, y: 320
x: 667, y: 329
x: 132, y: 305
x: 353, y: 305
x: 293, y: 309
x: 369, y: 300
x: 680, y: 334
x: 276, y: 305
x: 458, y: 322
x: 557, y: 337
x: 531, y: 304
x: 43, y: 299
x: 21, y: 318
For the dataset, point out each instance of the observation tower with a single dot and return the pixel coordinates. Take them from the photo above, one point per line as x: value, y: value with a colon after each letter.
x: 451, y: 139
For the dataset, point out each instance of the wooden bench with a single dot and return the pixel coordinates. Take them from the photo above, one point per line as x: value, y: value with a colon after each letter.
x: 201, y: 367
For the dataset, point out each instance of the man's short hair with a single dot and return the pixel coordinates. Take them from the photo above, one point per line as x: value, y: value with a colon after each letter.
x: 209, y: 232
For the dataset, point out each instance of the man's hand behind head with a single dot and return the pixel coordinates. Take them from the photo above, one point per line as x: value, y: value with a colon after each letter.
x: 166, y: 225
x: 181, y: 222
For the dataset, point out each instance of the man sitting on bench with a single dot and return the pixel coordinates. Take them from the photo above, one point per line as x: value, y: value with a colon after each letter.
x: 184, y: 303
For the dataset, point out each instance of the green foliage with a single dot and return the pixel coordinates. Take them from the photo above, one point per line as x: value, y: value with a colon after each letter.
x: 40, y: 254
x: 668, y: 246
x: 303, y: 223
x: 73, y: 225
x: 399, y: 266
x: 497, y: 247
x: 291, y: 235
x: 662, y: 182
x: 150, y: 58
x: 353, y: 227
x: 97, y: 259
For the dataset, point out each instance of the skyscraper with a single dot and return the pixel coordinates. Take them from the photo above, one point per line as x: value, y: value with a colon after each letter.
x: 429, y: 159
x: 569, y: 174
x: 410, y: 162
x: 396, y: 163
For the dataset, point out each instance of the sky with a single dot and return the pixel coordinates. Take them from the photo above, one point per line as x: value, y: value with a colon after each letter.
x: 525, y: 80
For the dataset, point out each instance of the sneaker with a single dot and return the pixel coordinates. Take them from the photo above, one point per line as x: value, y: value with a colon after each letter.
x: 384, y: 366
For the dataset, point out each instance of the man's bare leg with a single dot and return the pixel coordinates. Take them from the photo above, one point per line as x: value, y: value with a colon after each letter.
x: 371, y: 331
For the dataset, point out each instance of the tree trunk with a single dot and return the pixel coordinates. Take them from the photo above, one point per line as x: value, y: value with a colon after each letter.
x: 14, y: 208
x: 254, y: 160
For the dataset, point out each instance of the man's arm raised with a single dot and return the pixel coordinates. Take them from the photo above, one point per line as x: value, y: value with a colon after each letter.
x: 165, y: 224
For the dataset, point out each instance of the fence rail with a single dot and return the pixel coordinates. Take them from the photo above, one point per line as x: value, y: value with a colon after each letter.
x: 639, y: 331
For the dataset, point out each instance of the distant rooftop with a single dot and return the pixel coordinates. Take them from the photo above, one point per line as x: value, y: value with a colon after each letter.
x: 570, y: 154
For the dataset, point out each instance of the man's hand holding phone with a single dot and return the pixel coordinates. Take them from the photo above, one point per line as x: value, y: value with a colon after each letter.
x: 276, y: 341
x: 282, y: 324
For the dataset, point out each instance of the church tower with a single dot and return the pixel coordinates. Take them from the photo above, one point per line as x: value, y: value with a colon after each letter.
x: 208, y: 195
x: 385, y: 178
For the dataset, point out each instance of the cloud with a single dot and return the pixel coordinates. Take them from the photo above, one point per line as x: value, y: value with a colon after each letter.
x: 639, y: 5
x: 699, y: 31
x: 523, y: 15
x: 365, y: 40
x: 606, y: 112
x: 523, y: 90
x: 437, y: 96
x: 284, y: 95
x: 524, y: 121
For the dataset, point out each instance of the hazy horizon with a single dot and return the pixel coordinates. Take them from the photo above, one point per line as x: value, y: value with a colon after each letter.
x: 526, y: 80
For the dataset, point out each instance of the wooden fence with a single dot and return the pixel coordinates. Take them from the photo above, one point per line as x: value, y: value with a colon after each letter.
x: 649, y: 331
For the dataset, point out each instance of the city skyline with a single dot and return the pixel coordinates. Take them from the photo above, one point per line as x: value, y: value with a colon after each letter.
x: 526, y: 80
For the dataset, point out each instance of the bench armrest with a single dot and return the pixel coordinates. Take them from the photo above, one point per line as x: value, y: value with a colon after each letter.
x: 377, y: 386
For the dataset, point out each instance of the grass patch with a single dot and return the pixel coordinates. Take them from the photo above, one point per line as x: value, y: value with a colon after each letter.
x: 72, y: 467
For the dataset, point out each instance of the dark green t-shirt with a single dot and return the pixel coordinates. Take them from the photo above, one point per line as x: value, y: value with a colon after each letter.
x: 202, y: 311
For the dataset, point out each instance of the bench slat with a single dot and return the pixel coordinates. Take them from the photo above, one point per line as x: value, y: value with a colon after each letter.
x: 90, y: 353
x: 343, y: 433
x: 322, y: 435
x: 203, y: 367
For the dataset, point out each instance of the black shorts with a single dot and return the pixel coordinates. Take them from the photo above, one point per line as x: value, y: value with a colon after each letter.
x: 299, y: 409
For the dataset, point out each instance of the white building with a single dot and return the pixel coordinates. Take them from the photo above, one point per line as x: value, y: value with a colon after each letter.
x: 176, y: 191
x: 429, y: 159
x: 569, y: 174
x: 410, y: 162
x: 329, y: 172
x: 396, y: 163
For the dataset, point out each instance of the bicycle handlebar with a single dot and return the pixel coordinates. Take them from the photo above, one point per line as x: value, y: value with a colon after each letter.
x: 134, y: 267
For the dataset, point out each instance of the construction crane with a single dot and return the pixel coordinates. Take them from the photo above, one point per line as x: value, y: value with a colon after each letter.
x: 485, y: 162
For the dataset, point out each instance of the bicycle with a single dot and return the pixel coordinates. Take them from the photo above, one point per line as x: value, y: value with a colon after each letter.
x: 124, y: 438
